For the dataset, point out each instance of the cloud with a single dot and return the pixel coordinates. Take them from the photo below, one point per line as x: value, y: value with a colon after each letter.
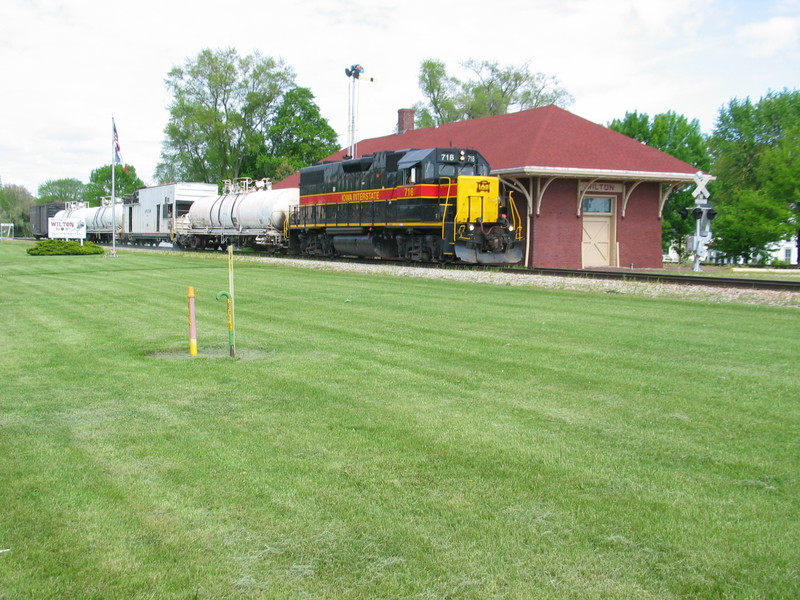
x: 771, y: 37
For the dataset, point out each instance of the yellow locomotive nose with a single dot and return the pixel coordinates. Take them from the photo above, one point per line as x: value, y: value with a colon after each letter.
x: 478, y: 199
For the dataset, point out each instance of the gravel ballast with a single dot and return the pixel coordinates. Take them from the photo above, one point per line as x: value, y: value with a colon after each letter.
x: 648, y: 289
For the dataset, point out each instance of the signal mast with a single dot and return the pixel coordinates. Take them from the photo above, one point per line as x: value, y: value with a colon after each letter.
x: 354, y: 73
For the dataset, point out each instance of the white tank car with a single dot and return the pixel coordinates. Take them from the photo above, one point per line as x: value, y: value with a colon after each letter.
x: 99, y: 219
x: 246, y: 212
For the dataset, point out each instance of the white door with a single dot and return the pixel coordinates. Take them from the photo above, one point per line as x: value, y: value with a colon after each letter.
x: 598, y: 233
x: 597, y: 241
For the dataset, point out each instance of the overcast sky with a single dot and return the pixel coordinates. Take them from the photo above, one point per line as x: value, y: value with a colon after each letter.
x: 67, y: 67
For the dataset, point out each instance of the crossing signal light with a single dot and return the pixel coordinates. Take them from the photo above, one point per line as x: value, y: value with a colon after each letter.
x: 699, y: 212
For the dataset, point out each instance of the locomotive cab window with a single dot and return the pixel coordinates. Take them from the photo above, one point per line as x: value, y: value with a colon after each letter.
x: 420, y: 173
x: 424, y: 172
x: 447, y: 171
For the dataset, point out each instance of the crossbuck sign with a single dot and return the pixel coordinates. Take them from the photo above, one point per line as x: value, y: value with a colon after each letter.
x: 701, y: 191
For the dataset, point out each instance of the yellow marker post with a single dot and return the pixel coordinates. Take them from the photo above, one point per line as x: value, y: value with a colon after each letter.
x: 229, y: 297
x: 192, y: 323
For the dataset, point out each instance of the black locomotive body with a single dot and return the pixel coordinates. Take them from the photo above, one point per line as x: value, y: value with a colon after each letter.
x: 436, y: 204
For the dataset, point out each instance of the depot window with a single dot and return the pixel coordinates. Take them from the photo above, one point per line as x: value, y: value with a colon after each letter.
x: 595, y: 204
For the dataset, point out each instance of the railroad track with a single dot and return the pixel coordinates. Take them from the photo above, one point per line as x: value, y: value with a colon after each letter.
x: 702, y: 280
x: 705, y: 280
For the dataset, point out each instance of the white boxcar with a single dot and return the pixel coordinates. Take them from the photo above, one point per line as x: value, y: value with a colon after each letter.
x: 150, y: 214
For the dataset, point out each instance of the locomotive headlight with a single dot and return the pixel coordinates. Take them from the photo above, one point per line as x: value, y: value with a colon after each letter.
x: 471, y: 227
x: 511, y: 228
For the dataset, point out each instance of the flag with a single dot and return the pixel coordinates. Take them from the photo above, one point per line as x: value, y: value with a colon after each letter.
x: 117, y: 155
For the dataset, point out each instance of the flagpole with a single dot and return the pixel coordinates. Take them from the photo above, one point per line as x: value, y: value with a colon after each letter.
x: 113, y: 198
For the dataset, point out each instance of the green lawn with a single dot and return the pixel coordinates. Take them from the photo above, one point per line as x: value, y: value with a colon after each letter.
x: 385, y: 437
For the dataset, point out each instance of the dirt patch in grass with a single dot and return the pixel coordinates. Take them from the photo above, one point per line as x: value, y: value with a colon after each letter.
x: 214, y: 353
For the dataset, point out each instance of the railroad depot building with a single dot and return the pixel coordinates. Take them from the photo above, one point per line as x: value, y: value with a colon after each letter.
x: 587, y: 195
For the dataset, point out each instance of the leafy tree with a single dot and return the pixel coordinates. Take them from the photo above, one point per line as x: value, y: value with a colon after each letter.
x: 61, y: 190
x: 781, y: 165
x: 495, y: 90
x: 755, y: 149
x: 750, y: 225
x: 683, y: 139
x: 99, y: 186
x: 297, y: 137
x: 441, y: 90
x: 15, y: 204
x: 224, y: 118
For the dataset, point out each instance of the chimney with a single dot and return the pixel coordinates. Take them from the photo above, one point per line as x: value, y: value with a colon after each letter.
x: 405, y: 120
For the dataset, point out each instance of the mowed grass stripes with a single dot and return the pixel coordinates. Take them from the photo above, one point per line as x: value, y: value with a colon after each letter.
x: 383, y: 437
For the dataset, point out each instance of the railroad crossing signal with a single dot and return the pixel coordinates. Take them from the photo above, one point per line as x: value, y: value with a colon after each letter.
x: 703, y: 213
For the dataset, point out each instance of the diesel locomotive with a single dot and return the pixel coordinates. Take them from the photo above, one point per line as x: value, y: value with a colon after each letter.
x: 435, y: 204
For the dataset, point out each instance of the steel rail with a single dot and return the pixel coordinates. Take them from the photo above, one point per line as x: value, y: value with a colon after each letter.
x: 705, y: 280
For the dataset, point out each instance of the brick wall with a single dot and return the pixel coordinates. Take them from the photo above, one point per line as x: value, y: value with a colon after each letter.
x: 556, y: 235
x: 639, y: 233
x: 557, y: 230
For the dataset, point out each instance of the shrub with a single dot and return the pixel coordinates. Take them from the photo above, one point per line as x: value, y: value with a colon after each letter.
x: 63, y: 247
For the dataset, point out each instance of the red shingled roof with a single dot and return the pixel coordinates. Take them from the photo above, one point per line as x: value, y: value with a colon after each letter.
x: 547, y: 137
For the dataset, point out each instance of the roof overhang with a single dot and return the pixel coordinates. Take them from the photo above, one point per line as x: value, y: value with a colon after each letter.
x: 604, y: 174
x: 630, y: 179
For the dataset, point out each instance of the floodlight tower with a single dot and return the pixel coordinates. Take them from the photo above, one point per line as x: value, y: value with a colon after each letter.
x: 354, y: 73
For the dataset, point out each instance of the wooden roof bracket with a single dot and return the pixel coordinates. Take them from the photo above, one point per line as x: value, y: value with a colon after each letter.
x: 665, y: 194
x: 519, y: 186
x: 629, y: 187
x: 540, y: 192
x: 582, y: 194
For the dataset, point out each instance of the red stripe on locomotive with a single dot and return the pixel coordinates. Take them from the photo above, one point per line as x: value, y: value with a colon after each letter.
x: 382, y: 194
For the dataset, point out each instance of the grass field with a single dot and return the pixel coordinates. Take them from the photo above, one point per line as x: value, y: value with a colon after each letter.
x: 385, y: 437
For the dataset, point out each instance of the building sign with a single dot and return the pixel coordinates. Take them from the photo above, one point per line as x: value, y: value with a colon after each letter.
x: 66, y: 229
x: 603, y: 188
